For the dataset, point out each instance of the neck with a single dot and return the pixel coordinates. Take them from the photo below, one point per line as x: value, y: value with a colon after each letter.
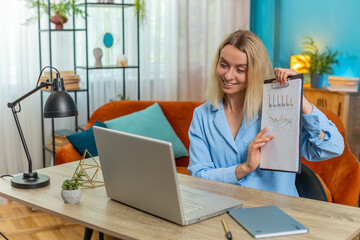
x: 235, y: 103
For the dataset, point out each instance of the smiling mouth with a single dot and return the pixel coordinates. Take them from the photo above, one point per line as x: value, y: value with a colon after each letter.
x: 229, y: 84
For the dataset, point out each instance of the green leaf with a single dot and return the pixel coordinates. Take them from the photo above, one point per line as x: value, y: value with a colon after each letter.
x: 320, y: 63
x: 64, y: 7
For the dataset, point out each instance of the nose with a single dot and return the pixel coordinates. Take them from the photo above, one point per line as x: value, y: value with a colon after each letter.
x: 229, y: 74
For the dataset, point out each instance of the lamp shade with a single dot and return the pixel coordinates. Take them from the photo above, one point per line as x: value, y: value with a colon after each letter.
x: 59, y: 103
x: 300, y: 63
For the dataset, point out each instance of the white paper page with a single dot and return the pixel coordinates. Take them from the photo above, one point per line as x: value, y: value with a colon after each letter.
x: 281, y: 115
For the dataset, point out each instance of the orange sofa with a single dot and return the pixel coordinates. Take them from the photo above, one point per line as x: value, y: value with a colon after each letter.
x: 340, y: 176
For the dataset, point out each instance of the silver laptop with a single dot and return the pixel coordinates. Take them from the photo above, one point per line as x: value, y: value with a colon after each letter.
x: 140, y: 172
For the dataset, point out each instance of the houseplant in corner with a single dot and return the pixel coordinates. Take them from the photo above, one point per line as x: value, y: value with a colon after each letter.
x: 320, y: 63
x: 71, y: 193
x: 59, y: 10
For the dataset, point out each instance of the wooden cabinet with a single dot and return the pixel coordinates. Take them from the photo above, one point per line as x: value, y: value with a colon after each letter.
x: 346, y: 106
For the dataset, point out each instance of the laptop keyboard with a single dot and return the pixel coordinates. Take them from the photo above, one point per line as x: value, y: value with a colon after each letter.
x: 190, y: 206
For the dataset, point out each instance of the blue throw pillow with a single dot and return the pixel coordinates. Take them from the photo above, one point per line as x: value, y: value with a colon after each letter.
x: 85, y: 140
x: 150, y: 122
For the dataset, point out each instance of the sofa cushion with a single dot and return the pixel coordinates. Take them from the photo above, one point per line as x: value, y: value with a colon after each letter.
x: 85, y: 140
x: 150, y: 122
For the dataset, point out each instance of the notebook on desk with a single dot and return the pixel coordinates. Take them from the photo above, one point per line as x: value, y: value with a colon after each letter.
x: 140, y: 172
x: 267, y: 221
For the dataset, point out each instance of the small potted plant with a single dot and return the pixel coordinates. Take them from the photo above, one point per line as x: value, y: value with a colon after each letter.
x: 58, y: 10
x: 320, y: 63
x: 71, y: 193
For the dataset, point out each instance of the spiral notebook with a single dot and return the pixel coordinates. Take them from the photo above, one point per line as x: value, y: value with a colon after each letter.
x: 281, y: 114
x: 268, y: 221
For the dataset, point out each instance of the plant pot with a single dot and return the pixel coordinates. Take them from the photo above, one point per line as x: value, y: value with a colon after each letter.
x: 318, y: 80
x: 58, y: 20
x: 71, y: 196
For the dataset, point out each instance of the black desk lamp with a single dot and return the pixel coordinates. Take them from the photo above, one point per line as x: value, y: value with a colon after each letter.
x: 59, y: 104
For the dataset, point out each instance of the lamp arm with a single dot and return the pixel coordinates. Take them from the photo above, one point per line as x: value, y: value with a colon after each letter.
x: 12, y: 106
x: 42, y: 85
x: 22, y: 139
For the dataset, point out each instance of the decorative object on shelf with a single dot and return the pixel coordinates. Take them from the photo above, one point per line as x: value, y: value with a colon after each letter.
x: 320, y: 63
x: 59, y: 104
x: 61, y: 9
x: 108, y: 40
x: 58, y: 20
x: 122, y: 61
x: 71, y: 193
x: 89, y: 168
x: 98, y: 56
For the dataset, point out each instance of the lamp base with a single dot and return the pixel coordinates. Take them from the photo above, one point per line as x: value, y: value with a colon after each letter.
x: 31, y: 180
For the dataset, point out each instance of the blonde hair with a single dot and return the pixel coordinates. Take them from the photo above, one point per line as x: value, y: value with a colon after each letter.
x: 259, y: 69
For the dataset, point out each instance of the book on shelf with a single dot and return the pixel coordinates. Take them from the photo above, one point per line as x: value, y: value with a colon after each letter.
x: 71, y: 80
x: 349, y: 79
x: 72, y: 86
x: 62, y: 73
x: 50, y: 147
x: 60, y: 138
x: 343, y: 88
x: 59, y: 142
x: 343, y: 84
x: 66, y: 80
x: 63, y: 132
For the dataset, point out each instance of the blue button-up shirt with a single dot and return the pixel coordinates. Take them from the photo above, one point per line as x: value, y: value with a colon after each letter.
x: 214, y: 154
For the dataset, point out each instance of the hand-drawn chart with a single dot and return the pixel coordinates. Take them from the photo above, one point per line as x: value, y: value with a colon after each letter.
x: 281, y: 114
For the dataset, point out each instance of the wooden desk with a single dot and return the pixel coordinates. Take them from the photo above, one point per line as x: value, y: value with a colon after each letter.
x: 95, y: 210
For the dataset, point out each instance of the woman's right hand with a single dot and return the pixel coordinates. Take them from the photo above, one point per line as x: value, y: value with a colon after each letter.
x: 254, y: 154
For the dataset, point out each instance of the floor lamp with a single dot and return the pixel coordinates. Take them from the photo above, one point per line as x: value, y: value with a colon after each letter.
x: 59, y: 104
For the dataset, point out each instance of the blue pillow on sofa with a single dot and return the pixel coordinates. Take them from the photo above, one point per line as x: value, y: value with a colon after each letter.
x: 150, y: 122
x: 85, y: 140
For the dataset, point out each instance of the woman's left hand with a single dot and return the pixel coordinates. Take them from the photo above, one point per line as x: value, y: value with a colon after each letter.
x: 283, y: 73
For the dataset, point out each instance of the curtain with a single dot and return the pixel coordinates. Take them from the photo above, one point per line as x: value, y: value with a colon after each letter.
x: 19, y: 69
x: 203, y: 25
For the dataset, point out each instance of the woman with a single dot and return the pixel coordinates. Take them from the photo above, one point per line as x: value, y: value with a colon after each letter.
x: 225, y: 135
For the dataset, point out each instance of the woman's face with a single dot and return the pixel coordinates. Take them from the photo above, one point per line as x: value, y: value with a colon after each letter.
x: 231, y: 70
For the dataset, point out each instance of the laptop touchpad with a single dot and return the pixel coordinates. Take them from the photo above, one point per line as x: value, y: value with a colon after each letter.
x: 191, y: 195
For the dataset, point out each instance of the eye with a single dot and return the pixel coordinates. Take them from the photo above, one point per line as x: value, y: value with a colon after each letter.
x: 222, y: 65
x: 241, y: 70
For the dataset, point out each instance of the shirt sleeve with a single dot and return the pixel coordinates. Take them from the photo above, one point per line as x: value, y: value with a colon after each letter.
x: 313, y: 149
x: 201, y: 164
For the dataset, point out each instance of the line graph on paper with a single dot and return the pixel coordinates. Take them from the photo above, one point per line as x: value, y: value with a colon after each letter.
x: 281, y: 122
